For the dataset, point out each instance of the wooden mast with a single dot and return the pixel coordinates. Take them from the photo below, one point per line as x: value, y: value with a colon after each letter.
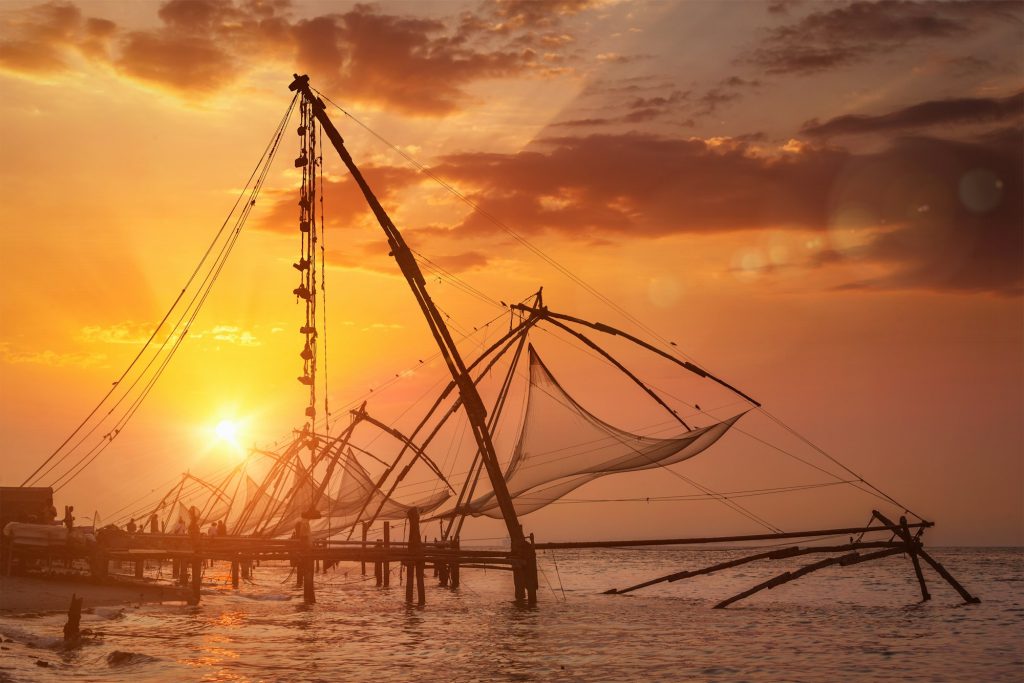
x: 471, y: 401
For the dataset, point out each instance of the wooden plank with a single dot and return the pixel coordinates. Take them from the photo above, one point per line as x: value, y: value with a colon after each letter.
x: 786, y: 577
x: 770, y: 555
x: 724, y: 539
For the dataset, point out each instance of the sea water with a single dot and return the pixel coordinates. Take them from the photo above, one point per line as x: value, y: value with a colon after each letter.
x: 863, y: 622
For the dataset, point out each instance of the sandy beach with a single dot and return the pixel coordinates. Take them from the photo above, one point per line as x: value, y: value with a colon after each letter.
x: 38, y: 594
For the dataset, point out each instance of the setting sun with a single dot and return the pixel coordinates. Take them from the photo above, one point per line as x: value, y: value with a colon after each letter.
x: 229, y: 432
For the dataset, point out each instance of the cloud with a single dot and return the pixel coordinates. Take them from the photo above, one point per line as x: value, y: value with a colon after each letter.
x: 533, y: 15
x: 411, y: 64
x: 45, y: 39
x: 414, y: 65
x: 848, y: 34
x: 654, y: 103
x: 51, y: 358
x: 186, y: 64
x: 642, y: 185
x: 949, y: 213
x: 934, y: 213
x: 644, y: 101
x: 455, y: 263
x: 228, y: 334
x: 344, y: 204
x: 965, y: 110
x: 137, y: 334
x: 128, y: 332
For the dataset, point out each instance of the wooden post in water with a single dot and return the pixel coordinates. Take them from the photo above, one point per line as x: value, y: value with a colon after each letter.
x: 415, y: 565
x: 362, y: 565
x: 197, y: 580
x: 139, y: 565
x: 234, y: 573
x: 912, y: 551
x: 386, y: 566
x: 455, y: 566
x: 421, y: 590
x: 939, y: 569
x: 308, y: 592
x: 517, y: 577
x: 307, y: 566
x: 72, y: 635
x: 378, y: 565
x: 443, y: 568
x: 530, y: 572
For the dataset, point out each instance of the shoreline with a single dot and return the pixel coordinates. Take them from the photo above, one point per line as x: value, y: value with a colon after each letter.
x: 20, y: 594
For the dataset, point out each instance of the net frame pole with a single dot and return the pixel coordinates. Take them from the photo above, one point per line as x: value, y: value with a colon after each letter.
x: 471, y: 401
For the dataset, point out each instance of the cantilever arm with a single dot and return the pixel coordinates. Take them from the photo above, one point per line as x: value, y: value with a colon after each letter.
x: 608, y: 329
x: 417, y: 452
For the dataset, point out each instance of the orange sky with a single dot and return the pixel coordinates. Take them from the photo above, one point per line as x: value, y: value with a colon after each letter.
x: 820, y: 203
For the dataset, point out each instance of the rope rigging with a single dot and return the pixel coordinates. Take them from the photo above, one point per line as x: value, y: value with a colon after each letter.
x: 671, y: 346
x: 240, y: 211
x: 313, y: 293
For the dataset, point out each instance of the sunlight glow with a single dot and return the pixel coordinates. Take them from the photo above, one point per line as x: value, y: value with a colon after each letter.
x: 229, y: 432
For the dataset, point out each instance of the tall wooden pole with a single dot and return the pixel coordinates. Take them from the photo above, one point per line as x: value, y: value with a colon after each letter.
x: 471, y: 401
x: 415, y: 564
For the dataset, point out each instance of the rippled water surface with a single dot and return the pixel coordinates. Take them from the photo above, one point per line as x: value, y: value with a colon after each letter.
x: 854, y: 623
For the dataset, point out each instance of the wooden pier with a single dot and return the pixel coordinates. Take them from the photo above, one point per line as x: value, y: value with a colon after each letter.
x: 189, y: 554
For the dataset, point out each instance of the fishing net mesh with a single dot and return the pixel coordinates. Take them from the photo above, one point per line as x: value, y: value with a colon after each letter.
x: 562, y: 446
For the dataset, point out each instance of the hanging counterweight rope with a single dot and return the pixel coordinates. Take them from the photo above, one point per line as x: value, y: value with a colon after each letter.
x: 307, y: 289
x: 323, y: 284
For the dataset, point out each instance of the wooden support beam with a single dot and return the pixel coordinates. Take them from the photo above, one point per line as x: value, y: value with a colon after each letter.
x: 234, y: 574
x: 726, y: 539
x: 782, y: 578
x: 939, y: 569
x: 770, y: 555
x: 786, y: 577
x: 912, y: 545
